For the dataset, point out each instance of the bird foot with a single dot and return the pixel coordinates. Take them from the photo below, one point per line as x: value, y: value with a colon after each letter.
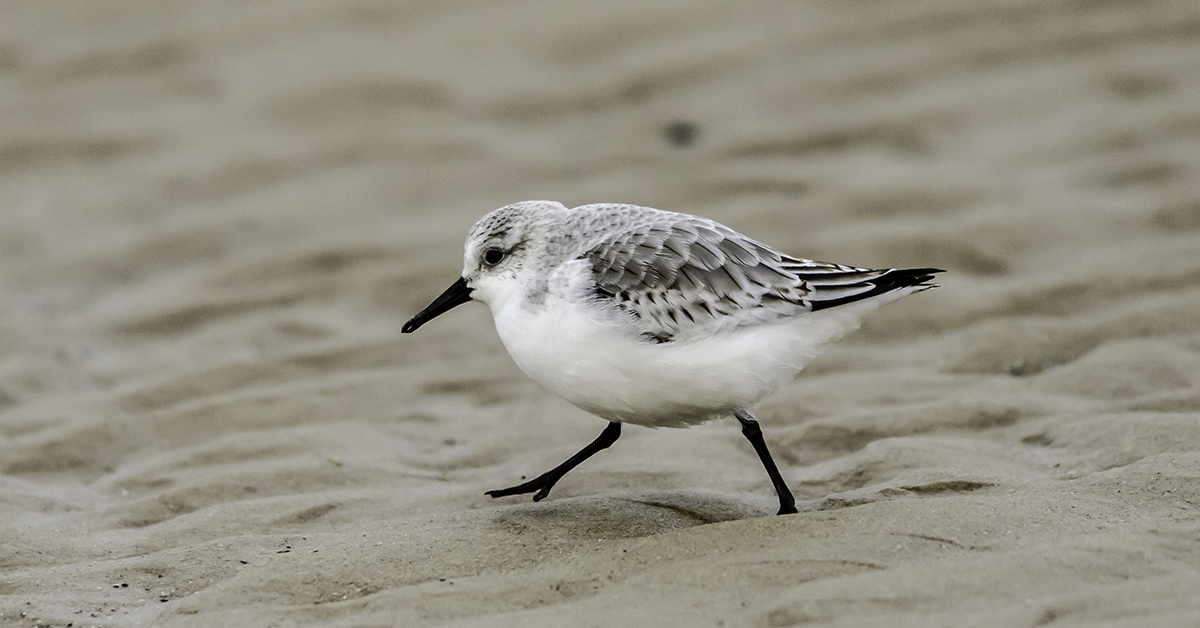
x: 541, y: 484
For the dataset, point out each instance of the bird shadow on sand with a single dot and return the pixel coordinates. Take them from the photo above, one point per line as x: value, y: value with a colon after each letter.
x: 633, y: 515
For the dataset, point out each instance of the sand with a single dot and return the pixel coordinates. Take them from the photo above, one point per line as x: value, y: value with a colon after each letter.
x: 215, y: 217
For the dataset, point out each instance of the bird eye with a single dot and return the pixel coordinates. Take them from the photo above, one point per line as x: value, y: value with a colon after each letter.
x: 491, y: 257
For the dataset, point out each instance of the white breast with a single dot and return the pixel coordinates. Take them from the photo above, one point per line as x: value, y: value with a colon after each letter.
x: 577, y: 352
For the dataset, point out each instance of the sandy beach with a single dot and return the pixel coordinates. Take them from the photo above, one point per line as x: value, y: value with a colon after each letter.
x: 216, y: 216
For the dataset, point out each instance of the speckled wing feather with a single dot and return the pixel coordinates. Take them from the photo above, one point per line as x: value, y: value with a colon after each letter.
x: 677, y: 274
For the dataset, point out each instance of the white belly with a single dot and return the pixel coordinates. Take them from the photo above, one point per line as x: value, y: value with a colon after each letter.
x: 594, y: 365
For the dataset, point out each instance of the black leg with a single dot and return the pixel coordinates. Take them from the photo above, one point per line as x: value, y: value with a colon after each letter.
x: 545, y: 481
x: 750, y: 429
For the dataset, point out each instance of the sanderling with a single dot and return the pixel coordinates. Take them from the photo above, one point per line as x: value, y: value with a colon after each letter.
x: 655, y: 318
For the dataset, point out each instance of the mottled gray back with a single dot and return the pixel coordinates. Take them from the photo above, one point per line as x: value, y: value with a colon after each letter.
x: 677, y: 274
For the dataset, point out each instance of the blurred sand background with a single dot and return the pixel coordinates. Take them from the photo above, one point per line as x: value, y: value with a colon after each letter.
x: 215, y: 216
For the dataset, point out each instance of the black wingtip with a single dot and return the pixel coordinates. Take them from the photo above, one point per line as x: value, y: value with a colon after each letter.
x: 887, y: 282
x: 907, y: 277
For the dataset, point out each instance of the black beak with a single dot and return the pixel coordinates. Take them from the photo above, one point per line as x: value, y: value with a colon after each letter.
x: 455, y: 295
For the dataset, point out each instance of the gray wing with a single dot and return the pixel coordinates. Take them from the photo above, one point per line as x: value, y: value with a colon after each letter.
x: 677, y: 275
